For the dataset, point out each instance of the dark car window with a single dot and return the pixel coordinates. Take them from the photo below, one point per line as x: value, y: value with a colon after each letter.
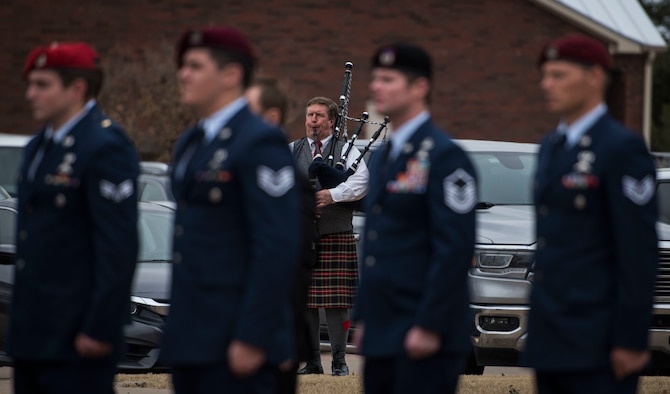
x: 155, y: 234
x: 505, y: 177
x: 663, y: 195
x: 10, y: 158
x: 7, y: 227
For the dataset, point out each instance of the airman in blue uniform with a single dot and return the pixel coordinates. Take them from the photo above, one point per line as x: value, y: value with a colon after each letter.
x: 237, y: 231
x: 76, y: 233
x: 412, y: 311
x: 596, y: 255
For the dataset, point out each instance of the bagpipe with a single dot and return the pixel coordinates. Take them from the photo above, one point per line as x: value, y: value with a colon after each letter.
x: 331, y: 174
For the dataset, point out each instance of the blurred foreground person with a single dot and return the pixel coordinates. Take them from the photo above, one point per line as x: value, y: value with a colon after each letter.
x: 237, y: 228
x: 76, y: 232
x: 412, y: 314
x: 596, y: 256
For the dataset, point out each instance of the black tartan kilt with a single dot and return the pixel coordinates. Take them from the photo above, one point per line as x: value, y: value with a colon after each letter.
x: 335, y: 276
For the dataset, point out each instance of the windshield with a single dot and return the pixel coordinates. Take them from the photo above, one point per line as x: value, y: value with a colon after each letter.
x: 663, y: 195
x: 10, y: 157
x: 505, y: 177
x: 155, y: 231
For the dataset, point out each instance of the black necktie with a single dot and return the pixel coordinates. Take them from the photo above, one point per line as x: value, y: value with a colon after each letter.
x: 386, y: 157
x: 189, y: 151
x: 558, y: 145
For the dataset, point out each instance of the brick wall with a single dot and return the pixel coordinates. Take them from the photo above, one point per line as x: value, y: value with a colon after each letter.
x: 484, y: 50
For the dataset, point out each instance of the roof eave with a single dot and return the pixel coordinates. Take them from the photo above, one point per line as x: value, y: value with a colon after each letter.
x: 619, y: 44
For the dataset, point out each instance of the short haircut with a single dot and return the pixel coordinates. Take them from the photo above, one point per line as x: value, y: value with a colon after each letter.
x: 224, y: 58
x: 412, y: 77
x: 93, y: 78
x: 272, y: 96
x: 330, y: 104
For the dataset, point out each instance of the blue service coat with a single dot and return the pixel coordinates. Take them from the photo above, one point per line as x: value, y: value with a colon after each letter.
x: 596, y: 257
x: 419, y: 244
x: 236, y: 241
x: 76, y: 242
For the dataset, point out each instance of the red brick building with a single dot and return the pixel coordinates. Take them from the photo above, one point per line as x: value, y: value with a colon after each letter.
x: 485, y: 51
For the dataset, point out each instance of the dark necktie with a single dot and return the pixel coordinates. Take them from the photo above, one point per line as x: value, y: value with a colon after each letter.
x: 558, y: 145
x: 386, y: 157
x: 189, y: 152
x: 44, y: 148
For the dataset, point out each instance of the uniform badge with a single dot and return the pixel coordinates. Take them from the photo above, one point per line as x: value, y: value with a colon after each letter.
x: 275, y: 183
x: 116, y: 193
x: 219, y: 156
x: 582, y: 166
x: 460, y: 191
x: 551, y: 53
x: 215, y: 195
x: 64, y: 168
x: 587, y: 156
x: 68, y: 141
x: 387, y: 57
x: 580, y: 201
x: 60, y: 200
x: 407, y: 148
x: 585, y: 141
x: 106, y: 123
x: 639, y: 192
x: 41, y: 61
x: 195, y: 38
x: 427, y: 144
x: 225, y: 133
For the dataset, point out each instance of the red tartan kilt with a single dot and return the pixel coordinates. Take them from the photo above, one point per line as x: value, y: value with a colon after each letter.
x: 335, y: 276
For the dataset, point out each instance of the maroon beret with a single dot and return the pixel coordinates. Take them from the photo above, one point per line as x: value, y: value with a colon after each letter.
x: 578, y: 49
x: 77, y: 55
x: 225, y: 38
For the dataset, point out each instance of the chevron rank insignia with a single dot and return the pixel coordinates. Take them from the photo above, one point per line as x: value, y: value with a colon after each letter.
x: 460, y: 191
x: 639, y: 192
x: 275, y: 183
x: 116, y: 193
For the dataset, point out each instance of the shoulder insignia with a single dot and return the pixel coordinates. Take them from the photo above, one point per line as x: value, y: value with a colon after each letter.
x: 460, y: 191
x: 116, y: 193
x: 639, y: 192
x: 275, y: 183
x: 106, y: 123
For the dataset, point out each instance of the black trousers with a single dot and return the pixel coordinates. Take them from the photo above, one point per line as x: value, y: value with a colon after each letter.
x: 585, y: 382
x: 400, y: 375
x: 71, y: 377
x: 217, y: 378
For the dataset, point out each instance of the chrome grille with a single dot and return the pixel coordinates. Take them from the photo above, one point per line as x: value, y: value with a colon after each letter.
x: 662, y: 290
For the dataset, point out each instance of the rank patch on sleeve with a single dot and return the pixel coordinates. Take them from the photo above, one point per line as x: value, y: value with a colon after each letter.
x: 116, y: 193
x: 639, y: 192
x: 275, y: 183
x: 460, y: 191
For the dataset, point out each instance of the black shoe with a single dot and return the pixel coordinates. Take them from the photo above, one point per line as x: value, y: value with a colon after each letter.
x: 340, y: 369
x: 310, y: 368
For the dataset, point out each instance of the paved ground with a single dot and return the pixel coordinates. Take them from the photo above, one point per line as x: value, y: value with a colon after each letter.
x: 354, y: 362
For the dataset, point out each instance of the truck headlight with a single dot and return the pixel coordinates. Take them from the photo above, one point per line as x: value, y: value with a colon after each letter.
x: 494, y: 260
x: 501, y: 262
